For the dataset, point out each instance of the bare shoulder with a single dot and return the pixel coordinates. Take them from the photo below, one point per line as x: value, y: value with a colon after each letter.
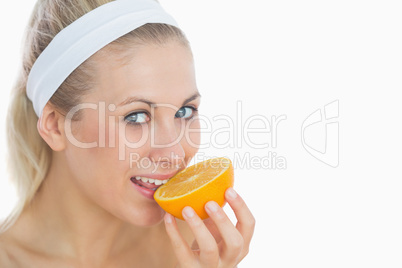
x: 13, y: 254
x: 6, y: 259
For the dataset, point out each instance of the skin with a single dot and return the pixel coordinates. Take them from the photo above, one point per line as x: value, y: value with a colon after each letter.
x: 87, y: 200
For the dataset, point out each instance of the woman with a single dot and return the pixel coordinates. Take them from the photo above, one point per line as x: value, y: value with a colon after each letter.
x: 105, y: 89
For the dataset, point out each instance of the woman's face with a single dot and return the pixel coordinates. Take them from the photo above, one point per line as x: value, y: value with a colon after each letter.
x: 138, y: 127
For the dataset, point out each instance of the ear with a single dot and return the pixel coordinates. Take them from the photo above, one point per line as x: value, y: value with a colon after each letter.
x: 51, y: 128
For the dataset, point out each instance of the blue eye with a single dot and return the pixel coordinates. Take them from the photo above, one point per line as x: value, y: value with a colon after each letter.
x: 185, y: 112
x: 137, y: 118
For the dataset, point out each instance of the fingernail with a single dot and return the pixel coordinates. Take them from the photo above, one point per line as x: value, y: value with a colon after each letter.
x: 212, y: 206
x: 231, y: 193
x: 188, y: 212
x: 168, y: 218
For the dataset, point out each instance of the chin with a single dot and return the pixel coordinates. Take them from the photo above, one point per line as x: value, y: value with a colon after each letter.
x: 146, y: 217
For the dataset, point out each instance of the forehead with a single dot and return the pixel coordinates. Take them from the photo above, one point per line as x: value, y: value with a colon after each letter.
x: 157, y: 72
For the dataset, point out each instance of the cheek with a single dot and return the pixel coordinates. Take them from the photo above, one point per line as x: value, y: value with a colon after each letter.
x: 132, y: 141
x: 107, y: 141
x: 89, y: 154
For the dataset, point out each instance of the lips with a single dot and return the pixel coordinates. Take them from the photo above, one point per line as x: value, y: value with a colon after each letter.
x: 147, y: 185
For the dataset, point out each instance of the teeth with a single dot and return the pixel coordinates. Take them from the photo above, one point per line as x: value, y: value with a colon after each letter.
x: 149, y: 180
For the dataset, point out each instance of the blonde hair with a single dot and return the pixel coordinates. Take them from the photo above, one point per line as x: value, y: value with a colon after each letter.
x: 29, y: 156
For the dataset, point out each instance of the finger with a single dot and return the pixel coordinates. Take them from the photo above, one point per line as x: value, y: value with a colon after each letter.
x: 181, y: 249
x: 213, y: 229
x: 246, y: 220
x: 209, y: 252
x: 233, y: 241
x: 194, y: 246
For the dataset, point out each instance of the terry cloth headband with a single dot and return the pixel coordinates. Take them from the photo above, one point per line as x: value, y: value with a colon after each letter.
x: 83, y: 38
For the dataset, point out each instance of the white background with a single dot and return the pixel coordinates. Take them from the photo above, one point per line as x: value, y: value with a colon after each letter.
x: 292, y: 58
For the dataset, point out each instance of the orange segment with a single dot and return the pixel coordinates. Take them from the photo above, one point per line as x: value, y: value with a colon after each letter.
x: 195, y: 186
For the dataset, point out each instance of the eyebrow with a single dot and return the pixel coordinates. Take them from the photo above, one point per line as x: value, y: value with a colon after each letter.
x: 132, y: 99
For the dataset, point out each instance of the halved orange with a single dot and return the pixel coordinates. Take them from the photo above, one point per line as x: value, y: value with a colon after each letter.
x: 195, y: 186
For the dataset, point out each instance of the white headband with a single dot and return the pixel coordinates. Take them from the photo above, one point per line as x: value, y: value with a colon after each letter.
x: 83, y: 38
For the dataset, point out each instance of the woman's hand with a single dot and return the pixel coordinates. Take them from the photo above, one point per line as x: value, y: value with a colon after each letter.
x: 218, y: 243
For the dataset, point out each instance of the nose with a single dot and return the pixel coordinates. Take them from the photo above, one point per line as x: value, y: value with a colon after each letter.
x: 166, y: 144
